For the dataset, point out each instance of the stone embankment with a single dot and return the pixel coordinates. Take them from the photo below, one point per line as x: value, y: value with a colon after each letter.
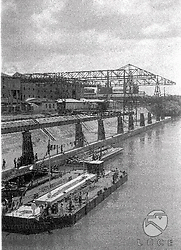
x: 60, y: 158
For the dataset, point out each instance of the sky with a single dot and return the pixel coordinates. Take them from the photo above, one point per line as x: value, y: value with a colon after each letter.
x: 74, y: 35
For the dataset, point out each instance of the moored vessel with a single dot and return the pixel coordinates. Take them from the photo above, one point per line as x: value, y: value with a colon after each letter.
x: 65, y: 204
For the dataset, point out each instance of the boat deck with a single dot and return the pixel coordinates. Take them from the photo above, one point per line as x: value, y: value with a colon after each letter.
x: 63, y: 190
x: 26, y: 210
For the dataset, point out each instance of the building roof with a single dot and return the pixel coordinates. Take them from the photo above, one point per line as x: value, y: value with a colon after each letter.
x: 70, y: 100
x: 39, y: 100
x: 5, y: 75
x: 17, y: 74
x: 94, y: 100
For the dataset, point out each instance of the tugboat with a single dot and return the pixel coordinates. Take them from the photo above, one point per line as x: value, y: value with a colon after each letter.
x: 66, y: 203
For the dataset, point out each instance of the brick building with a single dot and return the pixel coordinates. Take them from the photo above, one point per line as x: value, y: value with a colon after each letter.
x: 16, y: 89
x: 10, y: 87
x: 10, y: 93
x: 40, y: 86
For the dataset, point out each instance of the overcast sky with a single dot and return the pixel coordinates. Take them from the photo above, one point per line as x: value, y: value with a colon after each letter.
x: 70, y: 35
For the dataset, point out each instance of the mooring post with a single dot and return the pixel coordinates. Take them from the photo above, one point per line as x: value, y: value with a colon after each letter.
x: 142, y: 119
x: 149, y: 118
x: 101, y: 131
x: 120, y: 128
x: 131, y: 122
x: 27, y: 149
x: 79, y: 136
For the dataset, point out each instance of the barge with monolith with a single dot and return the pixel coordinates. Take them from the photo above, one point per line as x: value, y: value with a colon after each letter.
x: 65, y: 204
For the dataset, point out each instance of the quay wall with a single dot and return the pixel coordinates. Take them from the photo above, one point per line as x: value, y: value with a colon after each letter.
x: 60, y: 158
x: 108, y: 141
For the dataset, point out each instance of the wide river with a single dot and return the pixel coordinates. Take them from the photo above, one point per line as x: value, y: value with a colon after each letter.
x: 153, y: 162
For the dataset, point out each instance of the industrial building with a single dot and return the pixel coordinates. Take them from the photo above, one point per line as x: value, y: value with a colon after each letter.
x: 52, y: 90
x: 42, y: 105
x: 16, y: 89
x: 10, y: 94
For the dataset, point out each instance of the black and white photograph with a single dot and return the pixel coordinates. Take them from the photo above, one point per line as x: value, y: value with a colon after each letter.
x: 91, y: 124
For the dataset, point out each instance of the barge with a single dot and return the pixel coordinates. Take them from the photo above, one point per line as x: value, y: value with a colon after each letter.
x: 65, y: 204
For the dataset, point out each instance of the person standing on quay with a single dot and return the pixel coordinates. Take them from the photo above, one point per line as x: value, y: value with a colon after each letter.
x: 4, y: 164
x: 36, y: 157
x: 14, y: 162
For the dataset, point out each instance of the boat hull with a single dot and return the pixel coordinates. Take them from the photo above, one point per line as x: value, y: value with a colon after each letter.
x: 34, y: 226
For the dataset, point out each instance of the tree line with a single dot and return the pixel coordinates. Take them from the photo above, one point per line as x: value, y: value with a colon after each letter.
x: 164, y: 105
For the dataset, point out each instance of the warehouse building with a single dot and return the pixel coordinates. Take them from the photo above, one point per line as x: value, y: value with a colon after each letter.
x: 42, y: 105
x: 10, y: 94
x: 16, y: 89
x: 50, y: 89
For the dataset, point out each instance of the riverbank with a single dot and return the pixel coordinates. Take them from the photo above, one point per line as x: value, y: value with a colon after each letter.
x: 60, y: 158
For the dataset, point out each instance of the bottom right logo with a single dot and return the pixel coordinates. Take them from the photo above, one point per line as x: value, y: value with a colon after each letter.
x: 155, y: 223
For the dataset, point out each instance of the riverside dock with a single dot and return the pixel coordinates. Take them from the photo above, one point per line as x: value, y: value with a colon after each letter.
x: 61, y: 157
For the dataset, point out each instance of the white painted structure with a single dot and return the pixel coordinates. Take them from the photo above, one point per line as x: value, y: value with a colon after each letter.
x: 64, y: 190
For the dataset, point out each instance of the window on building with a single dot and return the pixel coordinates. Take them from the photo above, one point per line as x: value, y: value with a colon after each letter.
x: 49, y: 106
x: 53, y: 105
x: 46, y: 105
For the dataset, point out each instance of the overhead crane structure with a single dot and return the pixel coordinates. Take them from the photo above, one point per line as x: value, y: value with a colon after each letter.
x: 139, y: 76
x: 127, y: 76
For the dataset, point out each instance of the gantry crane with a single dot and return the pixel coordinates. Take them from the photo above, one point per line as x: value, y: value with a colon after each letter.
x: 129, y: 77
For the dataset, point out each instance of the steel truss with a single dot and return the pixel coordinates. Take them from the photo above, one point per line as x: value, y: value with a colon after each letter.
x: 126, y: 75
x: 129, y: 77
x: 143, y: 77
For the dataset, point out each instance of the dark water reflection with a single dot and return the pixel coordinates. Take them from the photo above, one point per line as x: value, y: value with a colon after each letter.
x: 153, y: 161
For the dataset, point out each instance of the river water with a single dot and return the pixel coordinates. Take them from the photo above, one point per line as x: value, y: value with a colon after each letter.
x: 153, y: 162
